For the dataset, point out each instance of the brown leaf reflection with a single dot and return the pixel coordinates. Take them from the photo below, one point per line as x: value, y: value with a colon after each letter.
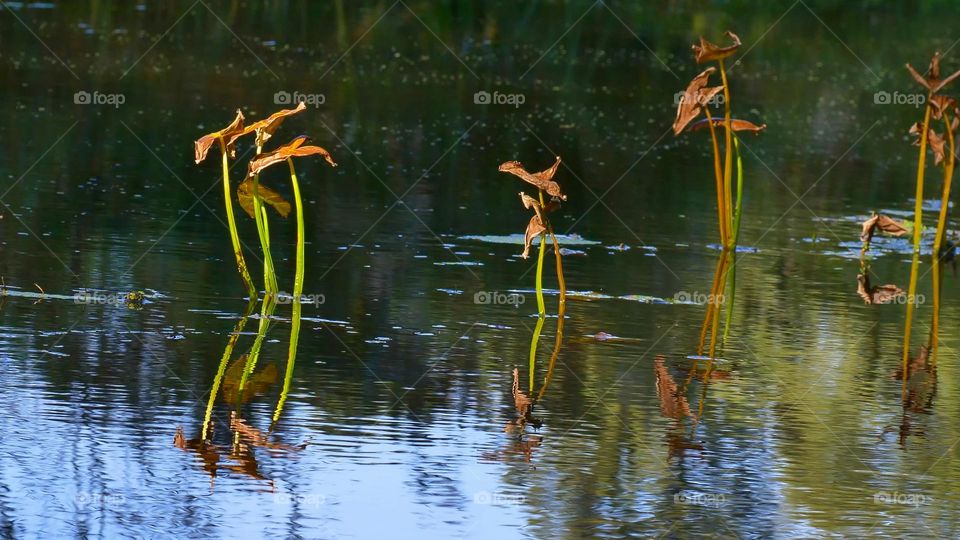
x: 881, y: 294
x: 524, y: 405
x: 920, y: 391
x: 542, y: 180
x: 673, y: 404
x: 257, y: 384
x: 708, y: 52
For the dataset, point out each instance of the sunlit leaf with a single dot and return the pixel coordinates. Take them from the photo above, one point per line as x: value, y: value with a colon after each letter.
x: 735, y: 125
x: 883, y: 223
x: 267, y: 195
x: 534, y: 229
x: 202, y: 145
x: 294, y: 148
x: 265, y: 128
x: 708, y: 52
x: 542, y: 180
x: 694, y: 98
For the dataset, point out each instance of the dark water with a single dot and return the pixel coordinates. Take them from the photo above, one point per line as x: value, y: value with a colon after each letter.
x: 400, y: 421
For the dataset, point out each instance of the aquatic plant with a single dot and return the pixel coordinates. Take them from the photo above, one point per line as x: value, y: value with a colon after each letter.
x: 251, y: 194
x: 202, y: 147
x: 295, y: 148
x: 539, y: 225
x: 937, y: 107
x: 696, y: 99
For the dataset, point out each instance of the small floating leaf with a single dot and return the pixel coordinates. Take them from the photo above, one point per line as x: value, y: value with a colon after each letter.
x: 267, y: 195
x: 542, y: 180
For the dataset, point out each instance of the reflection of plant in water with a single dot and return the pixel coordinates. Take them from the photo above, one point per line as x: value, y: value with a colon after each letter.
x: 694, y: 100
x: 880, y: 294
x: 938, y: 107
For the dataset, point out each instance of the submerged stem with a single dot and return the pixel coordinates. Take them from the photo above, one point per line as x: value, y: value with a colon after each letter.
x: 222, y: 368
x: 917, y: 229
x: 534, y: 342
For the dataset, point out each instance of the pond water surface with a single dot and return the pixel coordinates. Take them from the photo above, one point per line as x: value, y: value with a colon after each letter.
x: 402, y: 420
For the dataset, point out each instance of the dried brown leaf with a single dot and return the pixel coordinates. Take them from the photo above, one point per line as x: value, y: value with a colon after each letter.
x: 932, y: 82
x: 534, y: 229
x: 708, y: 52
x: 202, y: 145
x: 267, y: 195
x: 884, y: 224
x: 881, y: 294
x: 934, y: 140
x: 940, y: 104
x: 265, y: 128
x: 294, y: 148
x: 542, y: 180
x: 694, y: 98
x: 735, y: 125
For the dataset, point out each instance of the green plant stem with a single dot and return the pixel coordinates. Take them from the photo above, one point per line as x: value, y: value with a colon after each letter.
x: 260, y: 216
x: 718, y: 177
x: 917, y: 229
x: 221, y: 369
x: 728, y: 150
x: 541, y: 307
x: 941, y: 229
x: 234, y: 237
x: 297, y: 292
x: 732, y: 272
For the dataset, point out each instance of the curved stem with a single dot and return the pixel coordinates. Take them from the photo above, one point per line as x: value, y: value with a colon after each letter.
x: 533, y: 348
x: 234, y: 238
x: 297, y: 292
x: 917, y: 229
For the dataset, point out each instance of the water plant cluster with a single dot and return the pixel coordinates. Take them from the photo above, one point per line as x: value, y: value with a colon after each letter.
x: 254, y: 198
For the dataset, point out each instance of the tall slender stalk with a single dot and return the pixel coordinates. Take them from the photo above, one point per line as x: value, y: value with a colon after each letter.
x: 718, y: 176
x: 297, y: 292
x: 728, y: 151
x: 941, y: 228
x: 917, y: 230
x: 263, y: 230
x: 234, y: 238
x: 541, y: 307
x: 534, y: 342
x: 732, y: 284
